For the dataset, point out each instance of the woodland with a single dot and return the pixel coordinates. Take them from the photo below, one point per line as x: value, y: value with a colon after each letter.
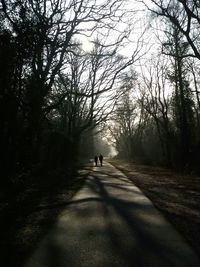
x: 136, y: 88
x: 84, y: 77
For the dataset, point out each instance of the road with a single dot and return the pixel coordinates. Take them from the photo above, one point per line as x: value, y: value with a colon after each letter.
x: 109, y: 222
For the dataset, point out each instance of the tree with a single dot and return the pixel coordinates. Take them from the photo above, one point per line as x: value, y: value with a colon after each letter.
x: 90, y: 86
x: 155, y: 100
x: 8, y: 100
x: 41, y: 39
x: 123, y: 127
x: 184, y: 15
x: 183, y: 102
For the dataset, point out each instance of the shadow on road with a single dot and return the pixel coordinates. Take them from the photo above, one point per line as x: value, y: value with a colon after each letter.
x: 111, y: 223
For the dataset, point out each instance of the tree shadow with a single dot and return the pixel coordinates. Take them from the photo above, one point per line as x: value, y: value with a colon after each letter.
x: 27, y: 219
x: 113, y: 230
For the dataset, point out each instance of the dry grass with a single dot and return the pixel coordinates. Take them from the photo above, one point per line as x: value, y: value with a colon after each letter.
x: 176, y: 196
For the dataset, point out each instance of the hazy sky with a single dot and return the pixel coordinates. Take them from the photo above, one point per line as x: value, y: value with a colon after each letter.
x: 136, y: 21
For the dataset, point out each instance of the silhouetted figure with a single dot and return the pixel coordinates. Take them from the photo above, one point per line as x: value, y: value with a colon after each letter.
x: 101, y: 159
x: 96, y: 160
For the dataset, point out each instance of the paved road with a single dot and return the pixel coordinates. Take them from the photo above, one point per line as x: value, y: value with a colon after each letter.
x: 111, y: 223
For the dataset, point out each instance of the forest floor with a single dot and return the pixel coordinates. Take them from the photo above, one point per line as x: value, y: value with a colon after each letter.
x: 25, y: 219
x: 176, y: 196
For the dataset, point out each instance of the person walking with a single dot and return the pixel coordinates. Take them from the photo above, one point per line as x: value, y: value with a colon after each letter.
x: 101, y: 159
x: 96, y: 160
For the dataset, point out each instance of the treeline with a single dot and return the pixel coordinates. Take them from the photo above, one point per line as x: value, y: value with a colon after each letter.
x: 50, y: 88
x: 158, y: 120
x: 33, y: 44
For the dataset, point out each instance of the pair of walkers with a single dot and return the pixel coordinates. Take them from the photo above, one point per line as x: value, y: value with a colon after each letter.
x: 100, y: 159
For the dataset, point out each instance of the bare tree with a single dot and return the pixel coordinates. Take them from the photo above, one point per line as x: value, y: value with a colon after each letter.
x: 90, y: 82
x: 155, y: 99
x: 182, y: 14
x: 123, y: 124
x: 193, y: 68
x: 45, y: 34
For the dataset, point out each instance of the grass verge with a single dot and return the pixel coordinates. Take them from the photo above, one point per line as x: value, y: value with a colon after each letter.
x: 176, y: 196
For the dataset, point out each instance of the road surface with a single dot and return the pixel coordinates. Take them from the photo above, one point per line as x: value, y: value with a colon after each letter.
x: 109, y: 223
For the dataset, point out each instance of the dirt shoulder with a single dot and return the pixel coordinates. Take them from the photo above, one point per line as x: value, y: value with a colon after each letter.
x: 26, y: 220
x: 176, y: 196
